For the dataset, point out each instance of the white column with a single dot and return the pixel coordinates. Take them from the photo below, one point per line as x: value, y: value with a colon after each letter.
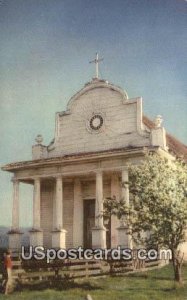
x: 78, y: 214
x: 125, y: 190
x: 99, y: 231
x: 124, y: 238
x: 59, y: 203
x: 99, y: 200
x: 15, y: 206
x: 125, y: 186
x: 58, y: 233
x: 14, y: 233
x: 115, y: 193
x: 36, y: 204
x: 36, y: 234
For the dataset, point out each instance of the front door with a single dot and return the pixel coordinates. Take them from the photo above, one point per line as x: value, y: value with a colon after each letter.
x: 89, y: 221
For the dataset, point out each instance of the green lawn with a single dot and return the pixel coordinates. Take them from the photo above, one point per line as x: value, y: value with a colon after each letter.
x: 153, y: 285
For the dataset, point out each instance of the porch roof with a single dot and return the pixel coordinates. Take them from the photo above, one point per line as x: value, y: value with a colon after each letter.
x: 127, y: 151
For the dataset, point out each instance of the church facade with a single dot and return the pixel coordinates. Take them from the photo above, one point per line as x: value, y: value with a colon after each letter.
x: 96, y: 138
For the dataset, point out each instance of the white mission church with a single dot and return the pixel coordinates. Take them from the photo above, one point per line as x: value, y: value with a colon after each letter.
x: 98, y: 135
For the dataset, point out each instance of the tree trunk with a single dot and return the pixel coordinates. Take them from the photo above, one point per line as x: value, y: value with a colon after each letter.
x: 177, y: 266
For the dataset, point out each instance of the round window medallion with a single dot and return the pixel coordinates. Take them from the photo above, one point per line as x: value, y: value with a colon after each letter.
x: 95, y: 123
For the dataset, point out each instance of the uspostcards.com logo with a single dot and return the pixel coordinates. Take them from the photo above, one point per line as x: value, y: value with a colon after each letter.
x: 41, y: 253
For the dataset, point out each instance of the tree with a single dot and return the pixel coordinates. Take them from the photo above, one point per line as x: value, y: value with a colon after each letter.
x: 158, y: 205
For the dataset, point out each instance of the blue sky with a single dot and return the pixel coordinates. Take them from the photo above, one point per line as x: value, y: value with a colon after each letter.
x: 44, y: 53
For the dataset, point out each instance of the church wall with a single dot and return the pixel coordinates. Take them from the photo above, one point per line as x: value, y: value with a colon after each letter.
x: 88, y: 192
x: 48, y: 212
x: 119, y: 130
x: 47, y: 199
x: 68, y: 200
x: 89, y: 189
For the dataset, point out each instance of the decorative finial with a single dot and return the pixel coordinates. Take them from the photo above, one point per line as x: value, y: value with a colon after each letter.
x: 96, y: 62
x: 158, y: 121
x: 39, y: 139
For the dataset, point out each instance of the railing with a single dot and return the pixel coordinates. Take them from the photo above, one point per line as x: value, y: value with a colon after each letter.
x: 70, y: 269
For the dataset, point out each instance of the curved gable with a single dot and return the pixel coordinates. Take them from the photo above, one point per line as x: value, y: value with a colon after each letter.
x: 91, y: 86
x: 98, y: 118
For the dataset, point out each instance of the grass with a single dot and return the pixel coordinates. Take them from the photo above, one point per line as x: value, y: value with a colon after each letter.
x: 157, y: 284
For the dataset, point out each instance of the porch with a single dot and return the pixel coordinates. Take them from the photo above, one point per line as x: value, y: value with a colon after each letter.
x: 68, y: 209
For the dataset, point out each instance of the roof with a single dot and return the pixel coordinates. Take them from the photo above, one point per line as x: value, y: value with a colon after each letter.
x: 175, y: 146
